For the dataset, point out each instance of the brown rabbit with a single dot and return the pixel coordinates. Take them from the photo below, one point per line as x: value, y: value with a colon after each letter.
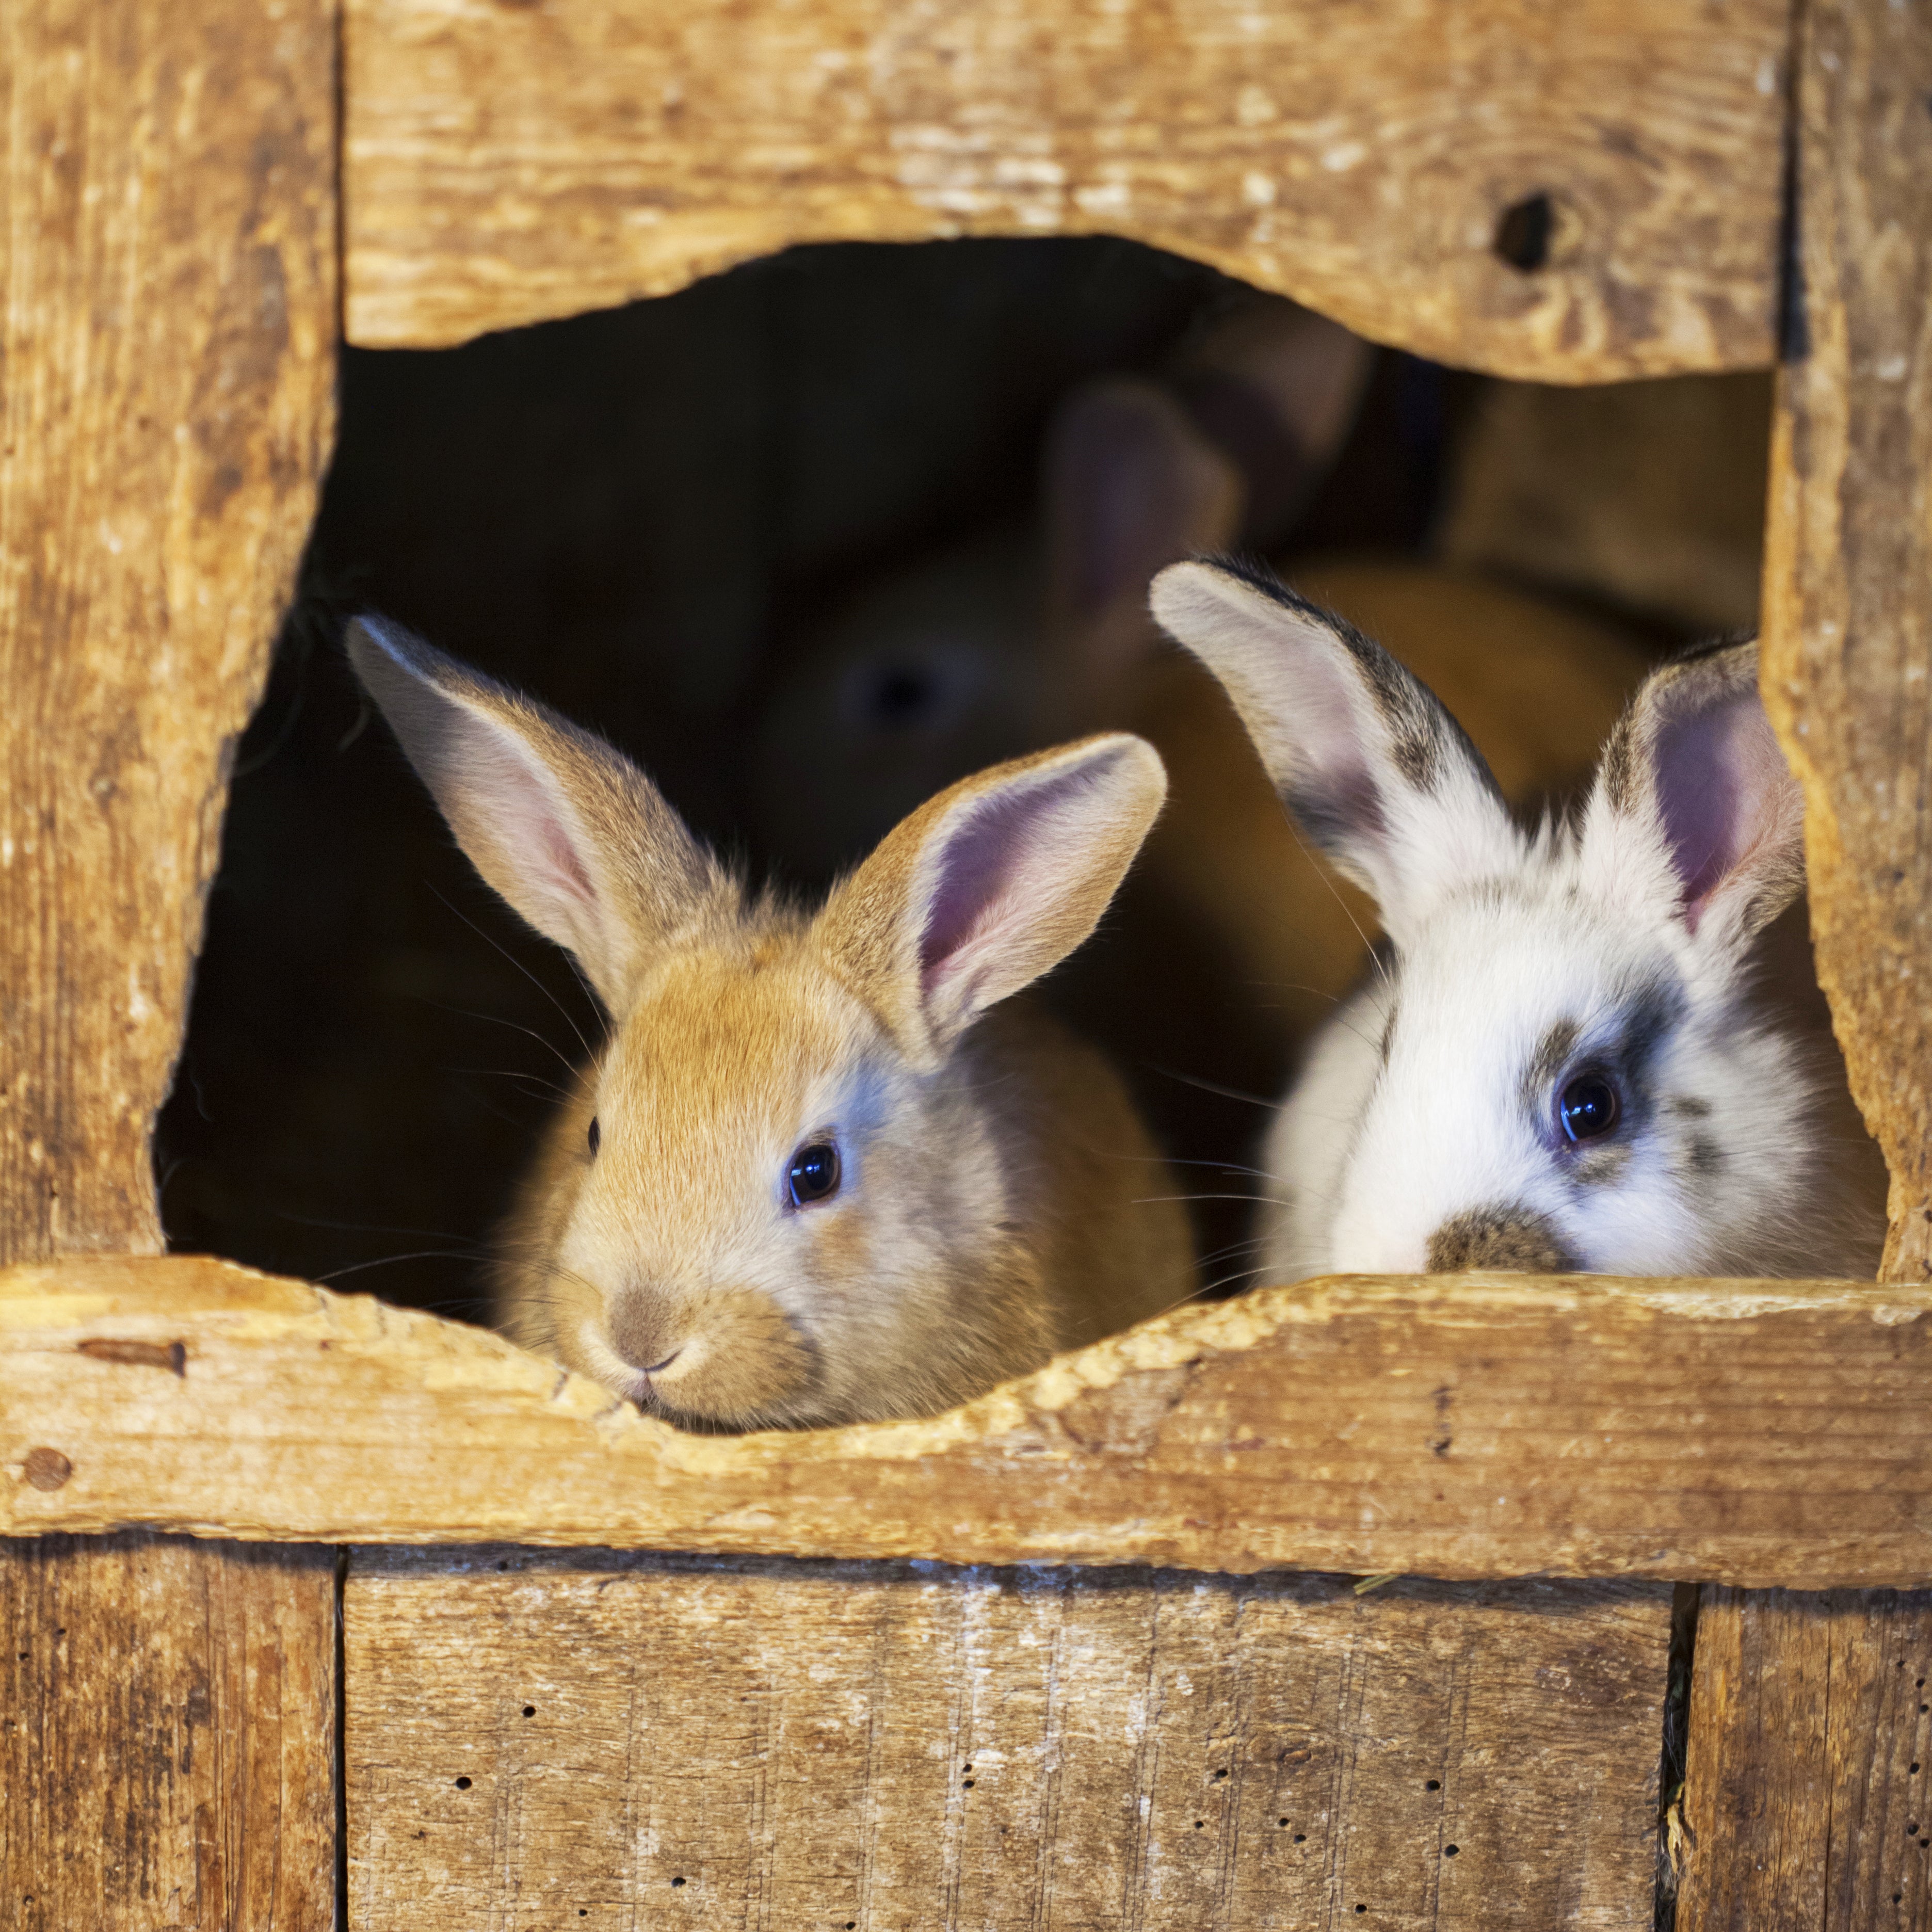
x: 810, y: 1178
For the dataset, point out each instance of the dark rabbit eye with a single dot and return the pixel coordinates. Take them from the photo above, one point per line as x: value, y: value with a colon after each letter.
x: 1588, y: 1107
x: 594, y: 1137
x: 815, y: 1173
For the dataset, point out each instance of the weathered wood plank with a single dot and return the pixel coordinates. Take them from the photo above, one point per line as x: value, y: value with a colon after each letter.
x: 1806, y: 1791
x: 1847, y: 660
x: 794, y: 1745
x: 1808, y: 1715
x: 167, y: 200
x: 167, y: 1736
x: 1479, y: 1426
x: 167, y: 337
x: 505, y: 163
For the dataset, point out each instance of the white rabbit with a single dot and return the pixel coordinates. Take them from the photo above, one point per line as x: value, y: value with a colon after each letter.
x: 1564, y: 1061
x: 805, y: 1181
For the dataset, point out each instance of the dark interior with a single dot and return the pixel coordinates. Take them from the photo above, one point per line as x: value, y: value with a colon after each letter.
x: 639, y: 515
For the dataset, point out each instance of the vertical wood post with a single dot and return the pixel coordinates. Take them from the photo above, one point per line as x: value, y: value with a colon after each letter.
x: 1847, y: 652
x: 167, y: 340
x: 1808, y: 1793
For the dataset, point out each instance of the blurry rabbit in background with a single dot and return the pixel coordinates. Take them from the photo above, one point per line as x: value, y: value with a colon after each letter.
x: 1233, y: 940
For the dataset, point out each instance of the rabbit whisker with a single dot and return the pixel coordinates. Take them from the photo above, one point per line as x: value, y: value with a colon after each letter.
x: 589, y: 1052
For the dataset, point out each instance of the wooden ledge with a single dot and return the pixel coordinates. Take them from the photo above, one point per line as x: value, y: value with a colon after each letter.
x: 1745, y: 1432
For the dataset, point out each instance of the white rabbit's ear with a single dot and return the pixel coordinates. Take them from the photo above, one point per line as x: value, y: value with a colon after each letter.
x: 989, y: 885
x: 1365, y: 757
x: 578, y: 840
x: 1694, y: 803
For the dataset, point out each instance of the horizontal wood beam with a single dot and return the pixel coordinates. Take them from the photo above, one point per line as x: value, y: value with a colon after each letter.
x: 1570, y: 194
x: 669, y: 1741
x: 1460, y: 1427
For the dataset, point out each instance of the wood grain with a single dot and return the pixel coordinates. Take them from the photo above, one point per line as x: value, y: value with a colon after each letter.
x: 1481, y: 1426
x: 1847, y: 660
x: 509, y: 162
x: 1810, y: 1751
x: 167, y: 336
x: 167, y: 1737
x: 167, y: 343
x: 656, y: 1742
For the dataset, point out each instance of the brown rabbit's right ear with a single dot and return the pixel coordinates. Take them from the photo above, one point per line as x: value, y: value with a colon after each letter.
x: 578, y: 840
x: 989, y: 885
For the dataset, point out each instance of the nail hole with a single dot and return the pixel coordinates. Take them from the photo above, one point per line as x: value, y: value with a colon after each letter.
x: 1282, y: 1822
x: 1433, y: 1784
x: 1200, y: 1824
x: 1523, y: 234
x: 1301, y: 1837
x: 1449, y: 1851
x: 530, y: 1710
x: 967, y: 1783
x: 676, y: 1883
x: 463, y: 1784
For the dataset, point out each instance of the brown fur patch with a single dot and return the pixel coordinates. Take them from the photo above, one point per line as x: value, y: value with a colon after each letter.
x: 1514, y: 1240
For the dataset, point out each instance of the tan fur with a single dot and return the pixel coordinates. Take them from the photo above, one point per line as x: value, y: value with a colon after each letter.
x: 1000, y: 1199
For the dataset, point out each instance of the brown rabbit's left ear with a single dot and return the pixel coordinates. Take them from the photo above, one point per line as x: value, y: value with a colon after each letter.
x: 989, y: 885
x: 565, y: 828
x: 1694, y: 766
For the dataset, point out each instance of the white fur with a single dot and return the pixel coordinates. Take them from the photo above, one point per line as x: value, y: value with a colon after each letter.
x: 1618, y: 946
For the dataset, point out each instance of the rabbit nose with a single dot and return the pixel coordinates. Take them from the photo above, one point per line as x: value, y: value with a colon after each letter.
x: 1511, y: 1237
x: 644, y: 1332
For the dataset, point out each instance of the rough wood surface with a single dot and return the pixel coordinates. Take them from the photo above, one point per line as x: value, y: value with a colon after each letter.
x: 1847, y: 663
x: 167, y: 338
x: 507, y: 162
x: 167, y: 1737
x: 1810, y: 1761
x: 1498, y: 1426
x: 659, y: 1742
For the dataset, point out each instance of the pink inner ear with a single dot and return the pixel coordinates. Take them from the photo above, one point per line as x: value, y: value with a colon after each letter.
x: 1719, y: 775
x: 996, y: 869
x: 532, y: 817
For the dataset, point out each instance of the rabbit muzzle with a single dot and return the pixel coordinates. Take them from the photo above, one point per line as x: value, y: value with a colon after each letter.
x: 1513, y: 1238
x: 731, y: 1358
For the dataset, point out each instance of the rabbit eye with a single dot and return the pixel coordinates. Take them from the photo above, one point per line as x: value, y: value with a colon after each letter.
x: 1588, y: 1107
x: 594, y: 1137
x: 815, y: 1173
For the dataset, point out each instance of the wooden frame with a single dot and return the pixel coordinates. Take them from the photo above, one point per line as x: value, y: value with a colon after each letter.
x: 195, y: 197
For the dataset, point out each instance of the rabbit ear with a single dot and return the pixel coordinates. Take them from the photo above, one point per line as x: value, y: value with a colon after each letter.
x: 989, y: 885
x: 578, y: 840
x: 1278, y: 387
x: 1694, y: 803
x: 1365, y: 757
x: 1130, y: 484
